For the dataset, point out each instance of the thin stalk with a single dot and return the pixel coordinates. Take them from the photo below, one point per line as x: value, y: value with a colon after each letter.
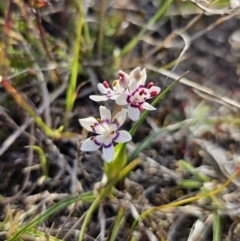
x: 103, y: 193
x: 90, y: 211
x: 71, y: 96
x: 216, y: 226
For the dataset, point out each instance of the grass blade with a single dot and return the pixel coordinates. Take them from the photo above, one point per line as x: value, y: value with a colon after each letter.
x: 145, y: 143
x: 216, y: 226
x: 74, y: 69
x: 153, y: 20
x: 55, y: 208
x: 117, y: 224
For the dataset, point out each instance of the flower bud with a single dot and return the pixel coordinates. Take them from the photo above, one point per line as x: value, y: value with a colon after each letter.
x: 123, y: 79
x: 136, y: 74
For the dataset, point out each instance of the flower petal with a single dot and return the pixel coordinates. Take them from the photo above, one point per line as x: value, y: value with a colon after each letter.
x: 91, y: 124
x: 136, y: 73
x: 115, y: 96
x: 152, y: 90
x: 98, y: 97
x: 147, y: 106
x: 90, y: 144
x: 122, y: 99
x: 122, y: 136
x: 102, y: 88
x: 123, y: 79
x: 118, y: 119
x: 144, y: 76
x: 108, y: 150
x: 133, y: 113
x: 105, y: 114
x: 133, y: 85
x: 100, y: 139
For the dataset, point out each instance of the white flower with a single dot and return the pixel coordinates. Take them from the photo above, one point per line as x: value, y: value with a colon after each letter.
x: 119, y: 86
x: 106, y: 128
x: 129, y: 90
x: 107, y: 92
x: 136, y: 95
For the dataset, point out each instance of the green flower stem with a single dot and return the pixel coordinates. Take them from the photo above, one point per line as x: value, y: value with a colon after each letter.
x: 113, y: 168
x: 103, y: 193
x: 118, y: 163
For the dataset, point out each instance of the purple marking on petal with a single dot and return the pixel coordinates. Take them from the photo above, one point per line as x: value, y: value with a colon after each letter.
x: 117, y: 135
x: 108, y: 94
x: 93, y: 127
x: 115, y: 122
x: 133, y: 105
x: 134, y: 92
x: 106, y: 121
x: 128, y: 98
x: 96, y: 142
x: 107, y: 146
x: 141, y: 87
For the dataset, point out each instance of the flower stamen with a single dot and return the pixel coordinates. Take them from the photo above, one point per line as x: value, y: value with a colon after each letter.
x: 114, y: 83
x: 115, y: 121
x: 105, y: 84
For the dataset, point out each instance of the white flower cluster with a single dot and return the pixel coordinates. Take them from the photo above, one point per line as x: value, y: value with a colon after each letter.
x: 128, y: 90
